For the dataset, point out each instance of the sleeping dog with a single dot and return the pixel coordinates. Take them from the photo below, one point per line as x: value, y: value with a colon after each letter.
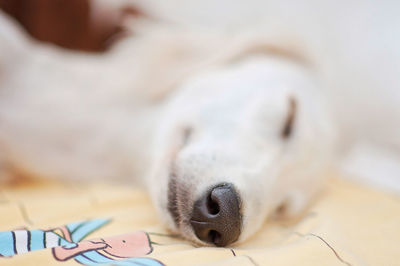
x: 224, y: 129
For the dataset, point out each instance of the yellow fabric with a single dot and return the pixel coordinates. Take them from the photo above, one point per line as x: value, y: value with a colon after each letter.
x: 347, y: 225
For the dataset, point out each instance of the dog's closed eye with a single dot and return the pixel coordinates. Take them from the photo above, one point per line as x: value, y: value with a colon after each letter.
x: 288, y: 126
x: 187, y: 133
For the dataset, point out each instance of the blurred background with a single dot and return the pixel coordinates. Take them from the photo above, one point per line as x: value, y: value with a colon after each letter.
x: 94, y: 26
x: 81, y: 25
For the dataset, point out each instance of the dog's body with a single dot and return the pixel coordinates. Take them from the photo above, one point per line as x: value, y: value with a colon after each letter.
x: 263, y: 115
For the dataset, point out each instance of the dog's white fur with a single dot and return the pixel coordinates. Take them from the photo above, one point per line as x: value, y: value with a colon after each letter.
x: 207, y: 104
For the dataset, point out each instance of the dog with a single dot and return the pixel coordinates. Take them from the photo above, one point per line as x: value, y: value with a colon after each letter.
x: 225, y: 130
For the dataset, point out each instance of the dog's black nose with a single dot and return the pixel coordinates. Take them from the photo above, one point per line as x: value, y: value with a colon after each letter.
x: 216, y: 216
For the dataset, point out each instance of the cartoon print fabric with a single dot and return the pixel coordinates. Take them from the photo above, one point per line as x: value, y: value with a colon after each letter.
x: 22, y: 241
x: 348, y: 225
x: 66, y: 244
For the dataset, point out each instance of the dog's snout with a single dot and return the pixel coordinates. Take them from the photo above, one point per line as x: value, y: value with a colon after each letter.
x: 216, y: 216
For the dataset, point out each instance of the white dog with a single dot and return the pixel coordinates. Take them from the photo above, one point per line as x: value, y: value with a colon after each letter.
x: 224, y: 129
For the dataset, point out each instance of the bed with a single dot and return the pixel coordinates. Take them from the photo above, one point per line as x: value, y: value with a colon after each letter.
x: 53, y: 223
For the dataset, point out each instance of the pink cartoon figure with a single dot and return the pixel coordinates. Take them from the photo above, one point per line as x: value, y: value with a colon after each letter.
x: 121, y: 246
x: 116, y: 250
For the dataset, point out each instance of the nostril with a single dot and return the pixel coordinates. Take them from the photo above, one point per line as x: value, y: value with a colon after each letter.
x: 212, y: 205
x: 214, y: 237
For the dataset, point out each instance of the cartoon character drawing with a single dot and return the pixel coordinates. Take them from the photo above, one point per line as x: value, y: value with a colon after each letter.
x: 118, y: 250
x: 22, y: 241
x: 66, y: 243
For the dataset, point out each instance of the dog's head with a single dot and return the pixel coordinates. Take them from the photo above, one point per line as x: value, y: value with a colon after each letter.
x: 235, y: 144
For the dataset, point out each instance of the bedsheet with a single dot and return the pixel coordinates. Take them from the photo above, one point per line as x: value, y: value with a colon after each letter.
x: 51, y: 223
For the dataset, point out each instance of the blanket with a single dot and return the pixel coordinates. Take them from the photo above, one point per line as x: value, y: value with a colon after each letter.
x: 51, y: 223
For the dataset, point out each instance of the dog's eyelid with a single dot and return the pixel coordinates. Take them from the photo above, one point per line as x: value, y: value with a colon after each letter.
x: 288, y: 126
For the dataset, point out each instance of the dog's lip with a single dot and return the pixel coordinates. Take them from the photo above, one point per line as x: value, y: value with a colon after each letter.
x: 173, y: 206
